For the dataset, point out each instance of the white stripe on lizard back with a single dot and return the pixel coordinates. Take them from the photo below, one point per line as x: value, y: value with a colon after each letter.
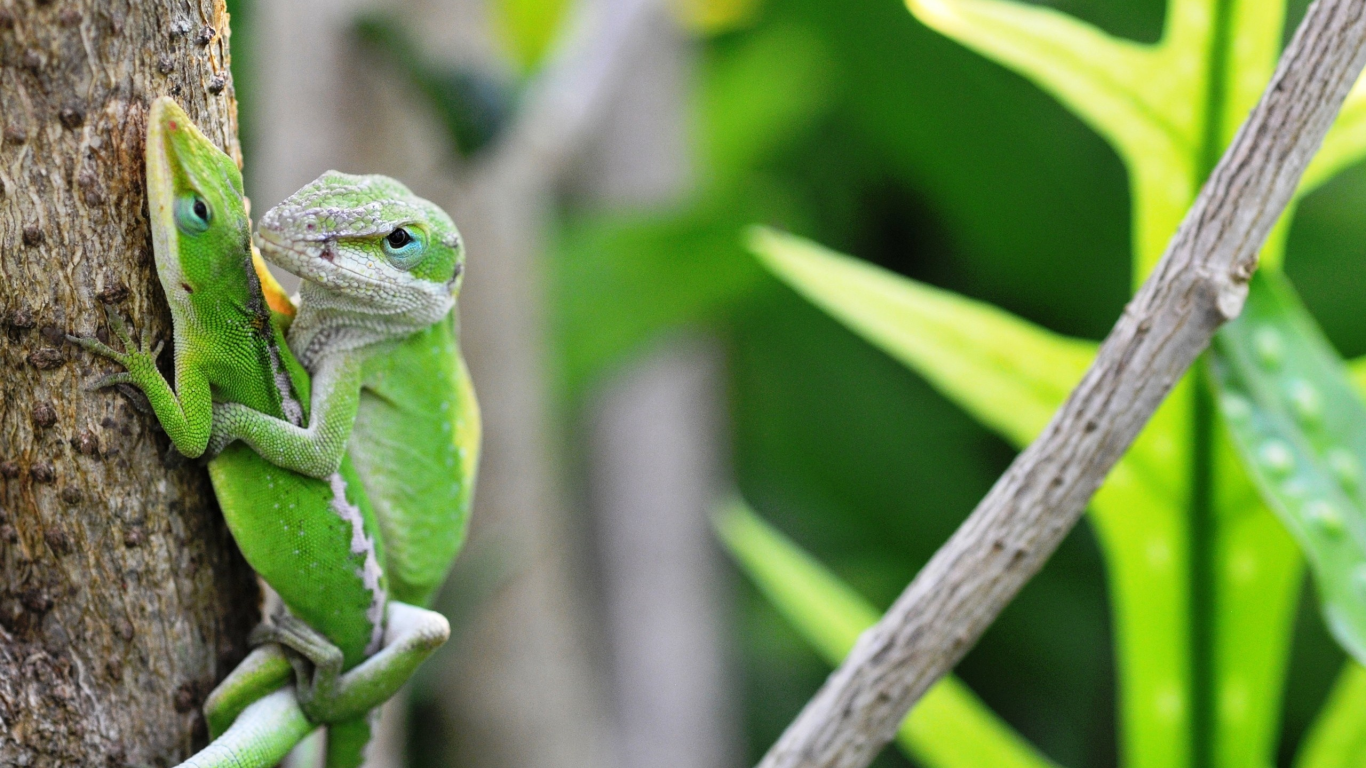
x: 370, y: 572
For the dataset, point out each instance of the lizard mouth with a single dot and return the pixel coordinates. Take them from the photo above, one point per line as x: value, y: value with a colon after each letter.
x: 304, y: 262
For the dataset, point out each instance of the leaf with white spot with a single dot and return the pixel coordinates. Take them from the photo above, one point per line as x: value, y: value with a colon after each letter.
x: 1296, y: 420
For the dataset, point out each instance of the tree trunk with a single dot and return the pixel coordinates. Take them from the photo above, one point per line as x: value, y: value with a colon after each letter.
x: 122, y: 596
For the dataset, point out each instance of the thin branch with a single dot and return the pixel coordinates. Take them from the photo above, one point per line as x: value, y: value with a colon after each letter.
x: 1200, y: 284
x: 570, y: 97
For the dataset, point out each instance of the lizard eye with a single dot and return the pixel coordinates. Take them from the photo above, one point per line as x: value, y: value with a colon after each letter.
x: 404, y: 247
x: 192, y: 214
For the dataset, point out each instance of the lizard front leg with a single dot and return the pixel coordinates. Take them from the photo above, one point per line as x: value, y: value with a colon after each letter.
x: 314, y: 450
x: 185, y: 413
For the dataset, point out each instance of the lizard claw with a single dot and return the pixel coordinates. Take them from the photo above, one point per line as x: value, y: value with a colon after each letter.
x: 137, y: 399
x: 130, y: 350
x: 120, y: 328
x: 94, y: 345
x: 109, y: 380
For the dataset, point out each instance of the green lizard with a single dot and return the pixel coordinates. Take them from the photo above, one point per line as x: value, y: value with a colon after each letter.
x: 312, y: 540
x: 376, y: 330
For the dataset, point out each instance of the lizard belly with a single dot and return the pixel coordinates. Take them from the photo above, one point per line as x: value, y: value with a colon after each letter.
x: 312, y: 540
x: 415, y: 445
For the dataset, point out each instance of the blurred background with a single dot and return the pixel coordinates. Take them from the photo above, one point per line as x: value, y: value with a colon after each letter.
x: 635, y: 365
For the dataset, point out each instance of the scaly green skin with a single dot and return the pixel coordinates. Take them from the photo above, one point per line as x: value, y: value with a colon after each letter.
x: 310, y: 539
x: 381, y: 269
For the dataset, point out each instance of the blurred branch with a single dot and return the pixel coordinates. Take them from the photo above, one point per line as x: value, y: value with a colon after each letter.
x: 528, y: 689
x: 562, y: 105
x: 1199, y: 285
x: 472, y: 105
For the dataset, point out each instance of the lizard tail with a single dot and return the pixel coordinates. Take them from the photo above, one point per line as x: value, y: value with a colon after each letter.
x: 260, y: 737
x: 347, y: 741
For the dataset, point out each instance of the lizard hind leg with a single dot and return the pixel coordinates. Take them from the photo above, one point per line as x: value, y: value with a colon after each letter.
x: 305, y: 648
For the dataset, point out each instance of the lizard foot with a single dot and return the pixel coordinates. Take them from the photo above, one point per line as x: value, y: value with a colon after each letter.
x: 317, y: 662
x: 134, y: 355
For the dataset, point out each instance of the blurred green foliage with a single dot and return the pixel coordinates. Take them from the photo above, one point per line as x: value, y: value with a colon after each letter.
x: 1010, y: 201
x: 926, y: 159
x: 941, y: 166
x: 527, y: 28
x: 1170, y: 130
x: 472, y: 105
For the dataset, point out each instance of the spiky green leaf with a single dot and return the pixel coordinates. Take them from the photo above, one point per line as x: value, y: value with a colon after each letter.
x: 949, y: 728
x: 1009, y: 374
x: 1337, y: 739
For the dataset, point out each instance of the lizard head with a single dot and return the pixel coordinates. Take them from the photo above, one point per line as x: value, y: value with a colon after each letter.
x: 197, y: 207
x: 367, y: 237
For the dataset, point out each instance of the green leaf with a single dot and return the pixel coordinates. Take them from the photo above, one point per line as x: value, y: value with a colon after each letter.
x: 1300, y: 428
x: 1140, y: 522
x: 1356, y: 371
x: 761, y: 95
x: 1337, y: 739
x: 528, y: 28
x: 1122, y: 89
x: 949, y: 728
x: 1252, y: 44
x: 1257, y: 572
x: 1007, y: 373
x: 1107, y: 81
x: 620, y: 281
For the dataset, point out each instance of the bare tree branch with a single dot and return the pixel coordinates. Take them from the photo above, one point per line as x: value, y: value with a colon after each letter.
x: 1200, y: 284
x: 571, y: 96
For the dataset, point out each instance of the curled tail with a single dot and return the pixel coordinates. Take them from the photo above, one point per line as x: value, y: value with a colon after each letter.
x: 260, y: 737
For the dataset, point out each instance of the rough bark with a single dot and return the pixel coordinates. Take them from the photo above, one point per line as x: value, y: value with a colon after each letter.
x: 1200, y: 284
x: 122, y: 597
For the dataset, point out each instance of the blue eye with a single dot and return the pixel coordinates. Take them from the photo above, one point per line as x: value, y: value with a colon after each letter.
x: 192, y: 214
x: 404, y: 247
